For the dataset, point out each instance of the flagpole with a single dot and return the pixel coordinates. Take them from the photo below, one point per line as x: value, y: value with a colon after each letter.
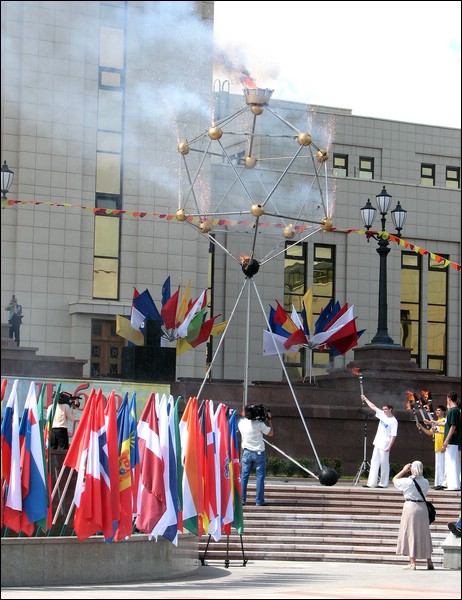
x: 288, y: 379
x: 247, y: 343
x: 61, y: 500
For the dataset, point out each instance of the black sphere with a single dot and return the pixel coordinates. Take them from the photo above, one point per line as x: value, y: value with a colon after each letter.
x: 328, y: 476
x: 250, y: 267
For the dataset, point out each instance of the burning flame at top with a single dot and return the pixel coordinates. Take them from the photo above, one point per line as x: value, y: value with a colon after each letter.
x: 415, y: 399
x: 244, y: 259
x: 355, y: 371
x: 246, y: 80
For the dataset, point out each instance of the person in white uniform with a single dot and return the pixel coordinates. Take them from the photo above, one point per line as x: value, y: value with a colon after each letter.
x: 385, y: 437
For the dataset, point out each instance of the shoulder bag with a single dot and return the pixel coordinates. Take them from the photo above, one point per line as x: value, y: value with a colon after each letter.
x: 431, y: 509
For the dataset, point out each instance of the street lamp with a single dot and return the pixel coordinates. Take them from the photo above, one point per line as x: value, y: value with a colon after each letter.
x: 398, y: 216
x: 7, y: 180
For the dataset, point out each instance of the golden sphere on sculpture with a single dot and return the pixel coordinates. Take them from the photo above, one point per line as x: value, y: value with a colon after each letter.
x: 256, y: 109
x: 250, y: 162
x: 326, y: 223
x: 289, y: 232
x: 304, y: 139
x: 205, y: 227
x: 257, y: 210
x: 183, y: 148
x: 181, y: 215
x: 322, y: 155
x: 215, y: 133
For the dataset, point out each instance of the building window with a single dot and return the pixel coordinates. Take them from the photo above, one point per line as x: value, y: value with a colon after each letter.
x: 108, y: 192
x: 437, y: 315
x: 453, y: 177
x: 410, y: 305
x: 294, y: 289
x: 106, y: 257
x: 340, y: 167
x: 427, y: 175
x: 323, y: 293
x: 366, y: 167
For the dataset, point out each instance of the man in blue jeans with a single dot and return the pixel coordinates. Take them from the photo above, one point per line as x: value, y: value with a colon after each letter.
x: 253, y: 426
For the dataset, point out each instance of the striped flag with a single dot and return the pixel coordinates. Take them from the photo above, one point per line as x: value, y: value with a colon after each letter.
x: 11, y: 462
x: 125, y: 526
x: 238, y: 517
x: 33, y: 478
x: 152, y: 502
x: 167, y: 526
x: 193, y: 498
x: 224, y: 461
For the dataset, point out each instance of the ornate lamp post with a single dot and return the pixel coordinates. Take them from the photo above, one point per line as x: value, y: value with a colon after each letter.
x: 398, y: 216
x: 7, y: 180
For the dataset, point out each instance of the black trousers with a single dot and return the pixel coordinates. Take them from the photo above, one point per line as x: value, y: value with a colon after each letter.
x: 15, y: 324
x: 59, y: 438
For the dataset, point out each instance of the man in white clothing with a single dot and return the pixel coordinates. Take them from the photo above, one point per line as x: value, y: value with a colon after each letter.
x: 383, y: 441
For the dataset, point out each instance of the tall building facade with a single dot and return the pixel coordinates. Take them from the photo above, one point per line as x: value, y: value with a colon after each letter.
x: 97, y: 100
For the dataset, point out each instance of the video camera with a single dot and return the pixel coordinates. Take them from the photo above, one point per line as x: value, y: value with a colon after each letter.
x: 256, y: 412
x: 72, y: 401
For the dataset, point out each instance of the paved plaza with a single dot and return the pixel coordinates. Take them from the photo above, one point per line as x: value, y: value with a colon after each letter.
x: 271, y: 579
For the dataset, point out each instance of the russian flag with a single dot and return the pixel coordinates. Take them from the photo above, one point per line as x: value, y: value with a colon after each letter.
x: 11, y: 463
x: 33, y: 481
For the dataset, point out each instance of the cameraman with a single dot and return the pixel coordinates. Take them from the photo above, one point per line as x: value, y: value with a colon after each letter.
x: 252, y: 430
x: 64, y: 416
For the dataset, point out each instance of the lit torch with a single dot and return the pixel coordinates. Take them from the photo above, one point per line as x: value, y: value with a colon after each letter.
x: 358, y: 373
x: 426, y: 395
x: 411, y: 406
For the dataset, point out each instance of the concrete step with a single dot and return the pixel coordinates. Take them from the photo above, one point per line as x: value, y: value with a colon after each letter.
x: 306, y: 521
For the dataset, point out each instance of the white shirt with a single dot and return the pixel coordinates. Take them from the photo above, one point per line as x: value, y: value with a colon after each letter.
x: 64, y: 415
x: 409, y: 489
x: 252, y: 434
x: 388, y: 428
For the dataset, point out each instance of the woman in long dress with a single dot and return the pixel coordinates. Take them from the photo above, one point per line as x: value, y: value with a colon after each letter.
x: 414, y: 538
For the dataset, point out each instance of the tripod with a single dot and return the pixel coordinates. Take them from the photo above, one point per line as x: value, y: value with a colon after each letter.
x: 364, y: 465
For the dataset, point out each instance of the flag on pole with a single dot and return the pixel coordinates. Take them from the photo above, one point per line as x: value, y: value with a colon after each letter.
x: 179, y: 460
x: 4, y: 384
x: 134, y: 452
x: 45, y: 524
x: 109, y: 456
x: 11, y: 462
x: 166, y: 291
x: 224, y: 460
x: 193, y: 498
x: 183, y: 306
x: 124, y: 529
x: 169, y: 310
x: 238, y: 516
x: 33, y: 478
x: 125, y: 329
x: 146, y: 306
x: 182, y: 329
x: 167, y: 525
x: 152, y: 502
x: 210, y: 518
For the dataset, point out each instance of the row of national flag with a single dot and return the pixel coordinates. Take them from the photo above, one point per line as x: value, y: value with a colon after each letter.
x: 183, y: 319
x: 161, y: 475
x: 335, y: 328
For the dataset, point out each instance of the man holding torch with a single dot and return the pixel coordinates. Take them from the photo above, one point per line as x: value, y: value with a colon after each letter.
x: 383, y: 441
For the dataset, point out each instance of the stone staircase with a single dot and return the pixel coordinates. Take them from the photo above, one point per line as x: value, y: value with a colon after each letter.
x: 344, y: 523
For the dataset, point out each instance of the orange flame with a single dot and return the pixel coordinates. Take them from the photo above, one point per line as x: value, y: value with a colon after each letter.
x: 355, y: 371
x: 244, y: 259
x: 425, y: 394
x: 411, y: 396
x: 248, y: 82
